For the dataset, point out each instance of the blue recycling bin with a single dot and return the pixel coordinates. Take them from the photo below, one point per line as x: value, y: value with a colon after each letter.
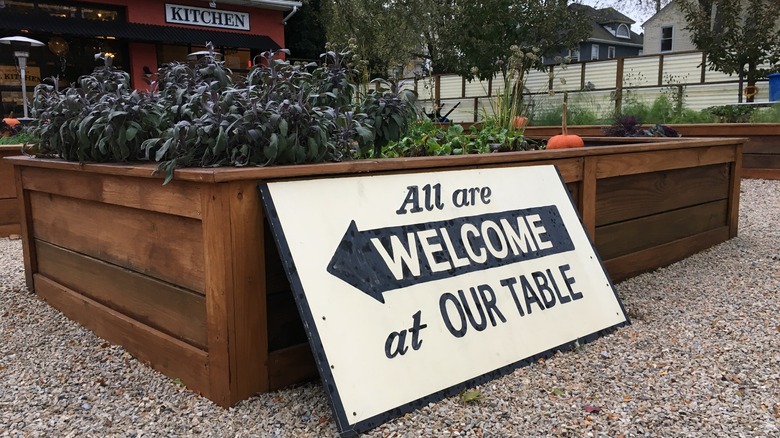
x: 774, y: 87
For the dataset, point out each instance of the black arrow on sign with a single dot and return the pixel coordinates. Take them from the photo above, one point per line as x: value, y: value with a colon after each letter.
x: 358, y: 261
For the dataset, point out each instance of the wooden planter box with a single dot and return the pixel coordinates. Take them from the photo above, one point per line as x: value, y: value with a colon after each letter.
x: 187, y: 278
x: 761, y: 157
x: 9, y: 210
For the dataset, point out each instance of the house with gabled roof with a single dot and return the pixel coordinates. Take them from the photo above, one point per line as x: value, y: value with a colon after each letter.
x: 611, y: 36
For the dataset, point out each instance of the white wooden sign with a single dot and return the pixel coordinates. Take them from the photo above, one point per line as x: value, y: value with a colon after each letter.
x: 415, y: 286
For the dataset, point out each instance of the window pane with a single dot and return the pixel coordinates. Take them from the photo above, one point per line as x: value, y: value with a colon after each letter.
x: 23, y: 7
x: 666, y: 45
x: 98, y: 14
x: 594, y: 51
x: 237, y: 59
x: 168, y: 53
x: 666, y: 32
x: 59, y: 11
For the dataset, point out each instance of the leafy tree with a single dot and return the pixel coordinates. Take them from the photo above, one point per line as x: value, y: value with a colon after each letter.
x: 737, y: 35
x: 454, y: 35
x: 381, y: 29
x: 304, y: 34
x: 548, y: 26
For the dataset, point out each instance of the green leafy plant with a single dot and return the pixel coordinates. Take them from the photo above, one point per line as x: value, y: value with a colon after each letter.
x: 102, y: 120
x: 730, y: 113
x: 428, y: 139
x: 22, y: 138
x: 195, y: 115
x: 766, y: 115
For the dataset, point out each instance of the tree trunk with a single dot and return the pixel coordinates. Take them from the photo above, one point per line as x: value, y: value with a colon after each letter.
x: 751, y: 81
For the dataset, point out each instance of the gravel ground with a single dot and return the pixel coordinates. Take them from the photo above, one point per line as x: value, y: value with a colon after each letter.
x: 702, y: 358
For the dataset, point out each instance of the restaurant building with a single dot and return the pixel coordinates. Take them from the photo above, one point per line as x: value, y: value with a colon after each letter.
x: 142, y: 35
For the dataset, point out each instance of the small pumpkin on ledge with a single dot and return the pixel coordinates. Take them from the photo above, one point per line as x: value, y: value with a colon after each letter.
x: 565, y: 141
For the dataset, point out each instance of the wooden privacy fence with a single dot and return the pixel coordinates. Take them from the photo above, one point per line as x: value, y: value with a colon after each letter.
x: 602, y: 85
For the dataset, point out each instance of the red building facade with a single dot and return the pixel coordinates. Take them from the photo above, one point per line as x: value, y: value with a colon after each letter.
x: 142, y: 34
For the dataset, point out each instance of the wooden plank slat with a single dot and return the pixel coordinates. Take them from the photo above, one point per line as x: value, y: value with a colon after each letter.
x: 761, y: 161
x: 9, y: 211
x: 588, y: 208
x: 760, y: 173
x: 630, y: 265
x: 291, y: 365
x: 166, y: 247
x: 574, y: 194
x: 570, y: 169
x: 635, y: 235
x: 8, y: 230
x: 172, y: 310
x: 219, y: 298
x: 26, y: 225
x: 166, y: 354
x: 653, y: 161
x: 631, y: 196
x: 735, y: 181
x: 764, y: 144
x: 7, y: 183
x: 275, y: 277
x: 249, y: 299
x: 177, y: 197
x: 285, y: 327
x: 224, y: 174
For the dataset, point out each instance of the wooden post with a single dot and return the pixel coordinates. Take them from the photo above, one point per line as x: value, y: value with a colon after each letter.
x: 619, y: 85
x: 219, y: 287
x: 550, y: 79
x: 235, y: 295
x: 703, y: 66
x: 476, y: 109
x: 660, y: 70
x: 437, y: 95
x: 735, y: 178
x: 462, y: 86
x: 582, y: 76
x: 587, y: 199
x: 28, y: 241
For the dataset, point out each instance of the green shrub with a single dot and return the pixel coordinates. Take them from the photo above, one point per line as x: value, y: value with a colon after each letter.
x: 195, y: 115
x: 766, y: 115
x: 428, y: 139
x: 20, y: 138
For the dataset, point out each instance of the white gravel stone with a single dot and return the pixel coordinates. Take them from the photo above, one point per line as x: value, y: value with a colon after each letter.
x: 702, y: 358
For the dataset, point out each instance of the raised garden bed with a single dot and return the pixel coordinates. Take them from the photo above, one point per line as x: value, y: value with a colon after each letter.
x: 186, y: 277
x: 9, y: 210
x: 761, y: 154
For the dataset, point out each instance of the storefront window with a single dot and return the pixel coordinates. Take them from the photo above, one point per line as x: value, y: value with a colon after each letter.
x: 55, y: 9
x: 169, y: 53
x: 20, y: 7
x: 238, y: 59
x: 99, y: 14
x: 59, y: 11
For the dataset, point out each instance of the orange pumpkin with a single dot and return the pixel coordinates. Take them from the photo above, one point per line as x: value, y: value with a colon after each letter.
x: 565, y: 140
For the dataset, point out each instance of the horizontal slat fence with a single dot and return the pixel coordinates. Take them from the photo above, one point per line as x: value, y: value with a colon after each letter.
x: 642, y: 78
